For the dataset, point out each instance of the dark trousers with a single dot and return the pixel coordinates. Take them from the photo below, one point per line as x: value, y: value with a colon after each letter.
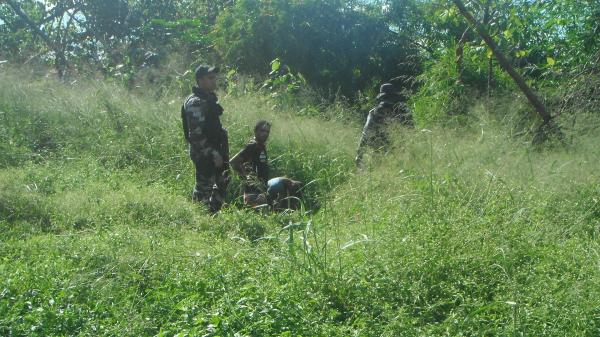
x: 211, y: 181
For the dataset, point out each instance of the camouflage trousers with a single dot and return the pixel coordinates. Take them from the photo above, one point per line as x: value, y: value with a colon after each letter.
x: 373, y: 136
x: 211, y: 181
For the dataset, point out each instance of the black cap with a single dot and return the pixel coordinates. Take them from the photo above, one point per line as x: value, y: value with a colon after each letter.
x: 387, y: 93
x: 388, y: 97
x: 204, y: 70
x: 387, y: 88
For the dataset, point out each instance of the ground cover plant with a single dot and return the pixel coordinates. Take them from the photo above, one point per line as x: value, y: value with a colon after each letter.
x: 462, y: 230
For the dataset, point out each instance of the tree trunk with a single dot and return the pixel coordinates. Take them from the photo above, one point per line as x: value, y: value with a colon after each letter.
x: 490, y: 78
x: 531, y: 96
x: 460, y: 49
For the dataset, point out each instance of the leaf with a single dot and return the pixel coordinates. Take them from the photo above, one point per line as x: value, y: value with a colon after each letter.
x: 489, y: 53
x: 550, y: 61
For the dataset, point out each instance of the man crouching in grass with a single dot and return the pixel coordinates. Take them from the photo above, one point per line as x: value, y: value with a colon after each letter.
x: 251, y: 163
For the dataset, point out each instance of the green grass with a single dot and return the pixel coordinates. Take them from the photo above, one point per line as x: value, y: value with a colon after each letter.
x: 462, y: 230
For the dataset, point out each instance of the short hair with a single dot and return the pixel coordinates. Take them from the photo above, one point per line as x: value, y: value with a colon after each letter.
x: 205, y: 69
x: 261, y: 124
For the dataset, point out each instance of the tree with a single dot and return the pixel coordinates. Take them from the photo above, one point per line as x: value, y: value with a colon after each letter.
x: 54, y: 26
x: 334, y: 44
x: 531, y: 96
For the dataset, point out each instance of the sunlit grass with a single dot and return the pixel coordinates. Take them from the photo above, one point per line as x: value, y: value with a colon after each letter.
x: 458, y: 230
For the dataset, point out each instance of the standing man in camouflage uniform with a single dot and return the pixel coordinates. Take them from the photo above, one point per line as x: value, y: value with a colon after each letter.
x: 209, y: 145
x: 389, y: 108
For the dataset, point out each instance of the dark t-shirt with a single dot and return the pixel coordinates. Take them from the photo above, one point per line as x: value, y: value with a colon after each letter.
x: 255, y: 161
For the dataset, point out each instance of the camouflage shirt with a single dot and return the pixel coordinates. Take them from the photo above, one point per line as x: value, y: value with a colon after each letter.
x: 202, y: 127
x: 374, y: 133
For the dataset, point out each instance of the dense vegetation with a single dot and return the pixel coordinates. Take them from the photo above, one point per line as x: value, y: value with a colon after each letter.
x: 345, y: 45
x: 465, y: 227
x: 460, y: 230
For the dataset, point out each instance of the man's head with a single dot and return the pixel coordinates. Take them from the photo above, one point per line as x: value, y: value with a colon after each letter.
x: 206, y: 77
x: 294, y: 190
x: 387, y: 93
x: 262, y: 129
x: 295, y: 187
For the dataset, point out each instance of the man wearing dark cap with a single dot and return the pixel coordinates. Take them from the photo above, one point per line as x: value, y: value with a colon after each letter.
x: 389, y: 107
x: 209, y: 147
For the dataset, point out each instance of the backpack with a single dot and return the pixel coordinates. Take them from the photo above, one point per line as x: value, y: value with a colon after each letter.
x: 186, y: 128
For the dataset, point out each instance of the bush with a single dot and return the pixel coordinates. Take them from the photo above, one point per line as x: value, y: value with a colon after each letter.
x: 457, y: 229
x: 444, y: 93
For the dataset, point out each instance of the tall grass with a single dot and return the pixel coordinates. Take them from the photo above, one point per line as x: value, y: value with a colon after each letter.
x: 461, y: 230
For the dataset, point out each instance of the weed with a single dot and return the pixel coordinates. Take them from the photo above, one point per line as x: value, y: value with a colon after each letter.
x: 459, y: 230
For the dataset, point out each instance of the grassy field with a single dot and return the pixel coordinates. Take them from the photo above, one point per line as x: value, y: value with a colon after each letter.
x: 459, y: 231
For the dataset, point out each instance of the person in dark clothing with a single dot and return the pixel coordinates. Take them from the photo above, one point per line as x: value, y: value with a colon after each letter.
x: 284, y: 193
x: 389, y: 108
x: 208, y: 141
x: 251, y: 163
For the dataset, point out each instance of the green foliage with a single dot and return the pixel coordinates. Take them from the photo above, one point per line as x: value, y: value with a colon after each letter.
x: 284, y: 85
x: 117, y: 37
x: 342, y: 48
x: 14, y: 36
x: 333, y: 44
x: 457, y: 231
x: 444, y: 93
x: 560, y: 34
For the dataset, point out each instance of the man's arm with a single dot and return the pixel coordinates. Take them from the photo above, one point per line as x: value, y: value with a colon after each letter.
x: 237, y: 163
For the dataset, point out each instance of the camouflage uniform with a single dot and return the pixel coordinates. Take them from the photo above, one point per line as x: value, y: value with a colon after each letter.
x: 202, y: 128
x: 389, y: 109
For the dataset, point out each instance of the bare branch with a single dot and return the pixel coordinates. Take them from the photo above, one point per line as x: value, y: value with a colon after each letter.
x: 58, y: 11
x: 68, y: 25
x: 60, y: 61
x: 35, y: 28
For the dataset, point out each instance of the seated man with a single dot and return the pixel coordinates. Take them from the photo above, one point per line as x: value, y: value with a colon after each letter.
x: 251, y: 163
